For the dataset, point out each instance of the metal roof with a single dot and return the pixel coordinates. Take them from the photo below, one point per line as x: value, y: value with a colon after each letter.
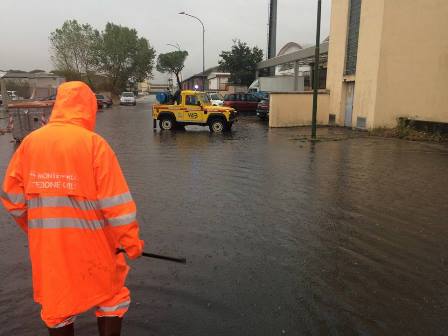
x: 304, y: 56
x: 17, y: 75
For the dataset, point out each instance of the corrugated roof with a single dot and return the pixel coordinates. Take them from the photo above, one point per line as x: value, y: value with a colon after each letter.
x: 18, y: 75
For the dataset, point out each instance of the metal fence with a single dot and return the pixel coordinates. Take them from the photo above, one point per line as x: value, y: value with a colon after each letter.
x: 23, y: 118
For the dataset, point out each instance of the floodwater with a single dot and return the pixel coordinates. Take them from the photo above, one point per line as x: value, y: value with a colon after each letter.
x: 282, y: 237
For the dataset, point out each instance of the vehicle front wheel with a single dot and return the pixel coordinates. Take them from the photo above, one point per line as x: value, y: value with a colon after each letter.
x: 217, y: 125
x: 166, y: 124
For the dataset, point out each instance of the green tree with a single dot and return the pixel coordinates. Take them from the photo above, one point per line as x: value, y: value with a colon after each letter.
x: 241, y: 61
x: 172, y: 63
x: 74, y: 50
x: 124, y: 57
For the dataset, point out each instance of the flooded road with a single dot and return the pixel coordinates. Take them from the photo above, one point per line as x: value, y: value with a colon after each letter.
x: 282, y: 237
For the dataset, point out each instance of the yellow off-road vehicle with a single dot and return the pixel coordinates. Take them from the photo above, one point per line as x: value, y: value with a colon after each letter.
x: 193, y: 108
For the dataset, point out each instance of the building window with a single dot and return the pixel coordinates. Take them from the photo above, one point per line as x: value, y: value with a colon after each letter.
x: 353, y: 37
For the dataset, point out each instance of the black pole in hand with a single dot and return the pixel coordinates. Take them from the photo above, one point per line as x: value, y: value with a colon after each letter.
x: 158, y: 256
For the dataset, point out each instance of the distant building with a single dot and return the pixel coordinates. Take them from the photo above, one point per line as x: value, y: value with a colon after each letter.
x: 213, y: 79
x: 293, y: 70
x: 157, y: 87
x: 218, y: 81
x: 37, y: 85
x: 288, y: 68
x: 144, y: 86
x: 199, y: 80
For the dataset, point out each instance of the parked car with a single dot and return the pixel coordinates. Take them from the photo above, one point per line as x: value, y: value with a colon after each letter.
x: 216, y: 99
x: 261, y: 95
x: 105, y: 101
x: 52, y: 98
x: 128, y: 98
x: 242, y: 102
x: 11, y: 96
x: 263, y: 109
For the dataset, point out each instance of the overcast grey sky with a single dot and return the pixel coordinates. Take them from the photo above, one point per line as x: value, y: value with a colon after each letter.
x: 26, y: 25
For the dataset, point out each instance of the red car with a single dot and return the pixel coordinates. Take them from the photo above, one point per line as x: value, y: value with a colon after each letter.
x: 100, y: 100
x: 103, y: 101
x: 263, y: 109
x: 242, y: 102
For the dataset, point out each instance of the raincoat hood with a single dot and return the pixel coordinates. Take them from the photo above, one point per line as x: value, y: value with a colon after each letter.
x: 75, y: 104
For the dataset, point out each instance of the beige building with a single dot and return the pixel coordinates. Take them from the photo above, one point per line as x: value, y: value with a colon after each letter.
x: 33, y: 85
x: 144, y: 86
x: 218, y: 81
x: 388, y: 59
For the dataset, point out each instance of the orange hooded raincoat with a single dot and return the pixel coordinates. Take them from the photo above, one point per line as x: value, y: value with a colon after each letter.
x: 65, y: 189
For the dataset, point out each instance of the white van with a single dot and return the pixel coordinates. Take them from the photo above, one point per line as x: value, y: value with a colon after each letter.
x: 128, y: 98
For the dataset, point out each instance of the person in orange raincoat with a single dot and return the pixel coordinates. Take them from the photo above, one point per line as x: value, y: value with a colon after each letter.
x: 65, y: 189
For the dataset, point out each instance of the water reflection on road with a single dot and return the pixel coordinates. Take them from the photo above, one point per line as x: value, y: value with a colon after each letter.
x: 282, y: 236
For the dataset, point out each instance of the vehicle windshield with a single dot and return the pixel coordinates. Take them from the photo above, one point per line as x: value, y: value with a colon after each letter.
x: 99, y: 96
x: 262, y: 95
x: 203, y: 98
x: 128, y: 94
x: 215, y: 96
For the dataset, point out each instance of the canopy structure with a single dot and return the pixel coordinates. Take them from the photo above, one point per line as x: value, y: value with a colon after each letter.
x: 301, y: 57
x: 296, y: 60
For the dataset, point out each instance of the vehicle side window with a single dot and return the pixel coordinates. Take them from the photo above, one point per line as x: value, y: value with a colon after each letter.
x: 191, y: 100
x: 243, y: 97
x: 232, y: 97
x: 252, y: 98
x: 226, y: 97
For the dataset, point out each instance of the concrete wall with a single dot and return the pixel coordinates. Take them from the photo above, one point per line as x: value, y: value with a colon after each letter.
x: 369, y: 50
x: 295, y: 109
x: 413, y: 73
x: 336, y: 57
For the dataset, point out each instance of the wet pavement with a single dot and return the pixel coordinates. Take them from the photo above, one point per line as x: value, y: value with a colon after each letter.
x: 283, y: 237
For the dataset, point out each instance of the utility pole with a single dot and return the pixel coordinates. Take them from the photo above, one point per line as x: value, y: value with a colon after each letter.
x: 316, y: 71
x: 272, y: 45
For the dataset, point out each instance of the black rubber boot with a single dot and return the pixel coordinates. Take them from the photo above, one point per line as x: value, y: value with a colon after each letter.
x: 109, y: 326
x: 68, y: 330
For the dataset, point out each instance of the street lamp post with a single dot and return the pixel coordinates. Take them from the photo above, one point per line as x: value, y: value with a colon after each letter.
x: 203, y: 45
x: 177, y: 46
x: 316, y: 71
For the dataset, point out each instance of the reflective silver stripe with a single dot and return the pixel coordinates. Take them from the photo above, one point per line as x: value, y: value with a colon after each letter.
x: 68, y: 321
x: 13, y: 198
x: 62, y: 201
x: 17, y: 213
x: 123, y: 305
x: 61, y: 223
x: 122, y: 220
x: 115, y: 200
